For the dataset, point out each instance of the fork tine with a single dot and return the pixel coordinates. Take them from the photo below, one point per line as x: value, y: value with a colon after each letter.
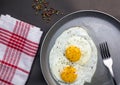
x: 106, y: 49
x: 102, y: 51
x: 108, y: 52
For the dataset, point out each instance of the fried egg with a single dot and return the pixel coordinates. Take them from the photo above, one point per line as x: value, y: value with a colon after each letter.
x: 73, y: 57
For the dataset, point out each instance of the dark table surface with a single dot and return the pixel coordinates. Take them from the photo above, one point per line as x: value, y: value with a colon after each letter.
x: 21, y: 9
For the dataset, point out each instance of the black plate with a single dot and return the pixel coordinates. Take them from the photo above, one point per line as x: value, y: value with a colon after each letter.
x: 102, y: 27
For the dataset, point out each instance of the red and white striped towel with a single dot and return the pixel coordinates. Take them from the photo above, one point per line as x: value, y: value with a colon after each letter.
x: 18, y: 46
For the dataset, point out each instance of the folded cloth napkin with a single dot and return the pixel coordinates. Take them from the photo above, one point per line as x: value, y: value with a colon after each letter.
x: 18, y: 46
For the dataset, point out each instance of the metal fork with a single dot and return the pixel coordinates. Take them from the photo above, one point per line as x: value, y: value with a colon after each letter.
x: 107, y: 60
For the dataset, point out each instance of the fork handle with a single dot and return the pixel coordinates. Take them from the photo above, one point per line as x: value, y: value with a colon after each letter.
x: 111, y: 71
x: 109, y: 64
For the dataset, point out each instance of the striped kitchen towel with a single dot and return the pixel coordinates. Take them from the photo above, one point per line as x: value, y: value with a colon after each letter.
x: 19, y: 43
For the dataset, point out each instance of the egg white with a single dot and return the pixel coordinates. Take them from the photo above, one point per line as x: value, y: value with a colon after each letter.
x: 86, y: 66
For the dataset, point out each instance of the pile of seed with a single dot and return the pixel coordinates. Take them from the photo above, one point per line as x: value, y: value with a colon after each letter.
x: 42, y: 7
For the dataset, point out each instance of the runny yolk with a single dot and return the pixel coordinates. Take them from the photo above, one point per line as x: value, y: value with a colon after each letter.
x: 73, y: 53
x: 68, y: 74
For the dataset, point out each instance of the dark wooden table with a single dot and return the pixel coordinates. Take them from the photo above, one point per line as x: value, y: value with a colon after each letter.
x: 21, y: 9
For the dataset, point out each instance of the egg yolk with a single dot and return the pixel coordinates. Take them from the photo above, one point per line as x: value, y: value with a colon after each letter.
x: 73, y: 53
x: 68, y: 74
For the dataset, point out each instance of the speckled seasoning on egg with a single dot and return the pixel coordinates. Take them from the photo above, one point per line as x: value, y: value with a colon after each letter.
x: 73, y: 58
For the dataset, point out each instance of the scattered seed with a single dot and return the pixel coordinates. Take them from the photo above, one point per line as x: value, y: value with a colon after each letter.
x: 42, y: 7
